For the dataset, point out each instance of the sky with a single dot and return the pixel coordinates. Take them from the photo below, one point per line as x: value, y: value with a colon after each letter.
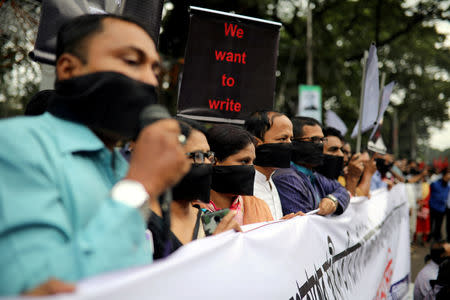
x: 440, y: 138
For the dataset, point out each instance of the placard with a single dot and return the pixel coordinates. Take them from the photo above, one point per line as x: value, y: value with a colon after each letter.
x: 230, y: 66
x: 310, y: 102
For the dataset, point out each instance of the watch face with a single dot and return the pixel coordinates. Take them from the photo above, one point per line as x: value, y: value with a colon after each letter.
x: 129, y: 192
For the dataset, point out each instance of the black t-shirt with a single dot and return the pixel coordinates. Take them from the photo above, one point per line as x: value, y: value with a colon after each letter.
x: 156, y: 226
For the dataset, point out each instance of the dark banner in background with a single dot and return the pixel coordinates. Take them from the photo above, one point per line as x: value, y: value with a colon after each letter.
x: 230, y: 66
x: 54, y: 13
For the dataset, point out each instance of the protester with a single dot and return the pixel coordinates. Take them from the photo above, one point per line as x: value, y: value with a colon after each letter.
x: 347, y: 151
x: 273, y: 132
x: 68, y: 195
x: 447, y: 222
x: 300, y: 187
x: 438, y: 202
x: 185, y: 223
x: 438, y: 253
x: 234, y: 175
x: 380, y: 178
x: 423, y: 215
x: 441, y: 286
x: 354, y: 166
x: 333, y: 162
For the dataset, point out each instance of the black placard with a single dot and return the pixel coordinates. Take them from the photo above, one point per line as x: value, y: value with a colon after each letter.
x: 230, y: 66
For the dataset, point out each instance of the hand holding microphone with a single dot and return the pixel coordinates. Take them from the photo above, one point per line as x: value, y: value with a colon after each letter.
x: 158, y: 161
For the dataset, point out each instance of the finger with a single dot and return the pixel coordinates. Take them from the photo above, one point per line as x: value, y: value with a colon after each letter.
x: 51, y: 287
x: 226, y: 222
x: 287, y: 217
x: 58, y: 287
x: 356, y: 156
x: 236, y: 227
x: 299, y: 213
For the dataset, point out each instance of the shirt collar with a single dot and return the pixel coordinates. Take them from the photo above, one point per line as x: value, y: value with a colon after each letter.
x: 303, y: 170
x: 260, y: 177
x: 74, y: 137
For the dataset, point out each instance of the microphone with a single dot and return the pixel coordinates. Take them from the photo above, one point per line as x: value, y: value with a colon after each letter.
x: 153, y: 113
x: 149, y: 115
x: 156, y: 112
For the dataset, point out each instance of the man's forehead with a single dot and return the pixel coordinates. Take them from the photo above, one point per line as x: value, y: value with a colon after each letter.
x: 334, y: 141
x: 279, y: 120
x: 121, y: 33
x: 314, y: 130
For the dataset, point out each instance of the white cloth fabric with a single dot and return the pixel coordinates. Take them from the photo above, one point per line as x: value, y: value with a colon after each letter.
x: 266, y: 190
x: 422, y: 286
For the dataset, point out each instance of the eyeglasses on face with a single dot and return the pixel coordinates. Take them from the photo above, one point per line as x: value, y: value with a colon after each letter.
x: 314, y: 139
x: 199, y: 157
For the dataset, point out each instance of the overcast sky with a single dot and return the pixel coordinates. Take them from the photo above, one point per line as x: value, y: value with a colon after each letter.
x: 440, y: 139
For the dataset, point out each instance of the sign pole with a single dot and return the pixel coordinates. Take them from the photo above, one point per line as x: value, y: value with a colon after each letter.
x: 361, y: 103
x: 380, y: 98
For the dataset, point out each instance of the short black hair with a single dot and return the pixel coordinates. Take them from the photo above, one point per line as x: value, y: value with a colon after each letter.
x: 259, y: 123
x: 300, y: 122
x: 331, y: 131
x: 226, y: 140
x: 72, y: 36
x: 193, y: 124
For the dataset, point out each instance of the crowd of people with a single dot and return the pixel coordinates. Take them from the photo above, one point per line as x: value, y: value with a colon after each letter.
x: 73, y: 204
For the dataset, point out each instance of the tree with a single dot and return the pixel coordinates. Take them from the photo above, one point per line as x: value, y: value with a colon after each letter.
x: 410, y: 51
x: 19, y: 75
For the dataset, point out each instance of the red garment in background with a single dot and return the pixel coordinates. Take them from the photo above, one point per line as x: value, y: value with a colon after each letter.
x: 423, y: 214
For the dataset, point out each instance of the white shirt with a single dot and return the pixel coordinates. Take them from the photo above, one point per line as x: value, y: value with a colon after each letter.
x: 422, y: 286
x: 266, y: 190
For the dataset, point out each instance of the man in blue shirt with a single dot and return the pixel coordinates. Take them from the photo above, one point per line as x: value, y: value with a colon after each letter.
x: 69, y: 202
x: 439, y: 191
x: 300, y: 187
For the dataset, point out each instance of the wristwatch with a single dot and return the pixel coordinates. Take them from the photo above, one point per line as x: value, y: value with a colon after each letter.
x: 333, y: 198
x: 134, y: 194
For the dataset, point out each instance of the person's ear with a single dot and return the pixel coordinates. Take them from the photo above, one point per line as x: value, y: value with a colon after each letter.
x: 68, y: 66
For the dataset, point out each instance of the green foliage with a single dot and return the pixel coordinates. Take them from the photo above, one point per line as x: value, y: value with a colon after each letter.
x: 410, y: 51
x: 19, y: 75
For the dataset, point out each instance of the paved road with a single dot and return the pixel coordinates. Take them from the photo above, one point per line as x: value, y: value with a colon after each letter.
x: 418, y: 254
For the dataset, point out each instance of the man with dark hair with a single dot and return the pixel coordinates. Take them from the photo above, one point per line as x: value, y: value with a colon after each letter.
x: 70, y: 204
x: 439, y: 191
x: 273, y: 131
x: 333, y: 163
x: 438, y: 253
x: 300, y: 187
x: 358, y: 165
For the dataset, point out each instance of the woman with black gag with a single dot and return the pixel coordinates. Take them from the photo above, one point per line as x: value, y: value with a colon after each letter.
x: 185, y: 224
x: 234, y: 174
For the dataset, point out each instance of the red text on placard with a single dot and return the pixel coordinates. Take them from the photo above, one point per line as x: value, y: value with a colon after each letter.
x: 234, y: 31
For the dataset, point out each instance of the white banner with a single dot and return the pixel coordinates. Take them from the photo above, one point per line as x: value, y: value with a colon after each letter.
x: 362, y: 254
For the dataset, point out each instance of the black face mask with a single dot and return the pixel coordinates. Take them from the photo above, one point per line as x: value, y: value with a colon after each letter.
x: 414, y: 172
x: 236, y: 180
x: 195, y: 185
x: 332, y: 166
x: 307, y: 153
x: 106, y: 101
x: 382, y: 167
x: 276, y: 155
